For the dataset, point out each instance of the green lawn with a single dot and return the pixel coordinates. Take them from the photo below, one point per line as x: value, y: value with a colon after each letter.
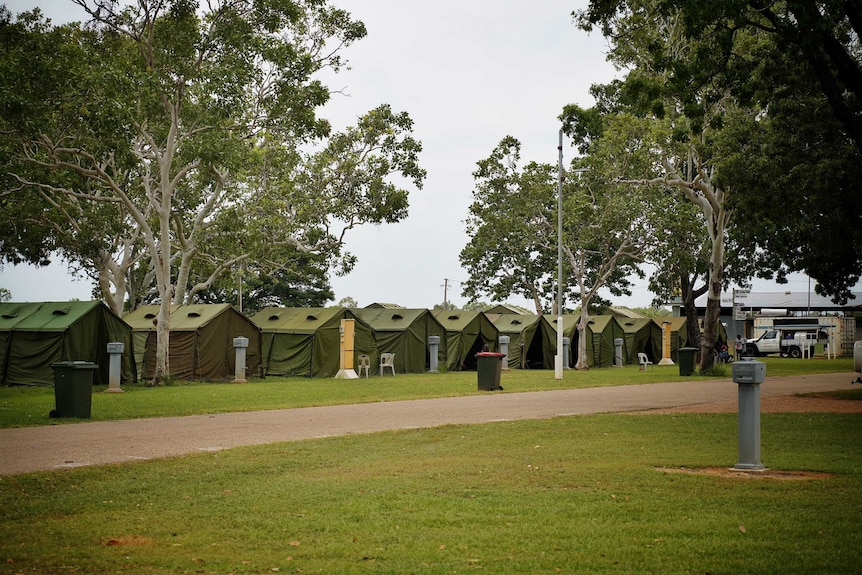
x: 568, y: 495
x: 583, y: 494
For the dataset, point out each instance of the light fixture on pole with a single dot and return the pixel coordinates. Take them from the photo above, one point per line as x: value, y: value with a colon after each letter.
x: 558, y: 358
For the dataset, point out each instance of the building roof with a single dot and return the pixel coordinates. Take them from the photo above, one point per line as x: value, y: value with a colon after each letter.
x: 791, y: 301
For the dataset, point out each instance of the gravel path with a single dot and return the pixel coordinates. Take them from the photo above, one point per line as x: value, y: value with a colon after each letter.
x: 24, y: 450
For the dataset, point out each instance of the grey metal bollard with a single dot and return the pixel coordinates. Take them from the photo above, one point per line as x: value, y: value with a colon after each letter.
x: 567, y: 346
x: 618, y: 352
x: 504, y: 349
x: 240, y: 344
x: 115, y: 353
x: 433, y: 350
x: 749, y: 374
x: 857, y: 361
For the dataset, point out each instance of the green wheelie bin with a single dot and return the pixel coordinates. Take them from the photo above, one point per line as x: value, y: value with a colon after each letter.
x: 73, y: 388
x: 686, y: 360
x: 489, y: 366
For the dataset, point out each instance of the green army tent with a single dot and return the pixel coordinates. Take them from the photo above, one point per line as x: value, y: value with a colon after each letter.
x: 307, y: 341
x: 570, y: 328
x: 526, y: 339
x: 601, y: 332
x: 642, y: 335
x: 466, y: 334
x: 405, y: 332
x: 504, y: 308
x: 201, y: 341
x: 35, y: 335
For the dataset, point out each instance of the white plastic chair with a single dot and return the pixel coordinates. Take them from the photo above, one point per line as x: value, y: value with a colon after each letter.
x: 387, y: 361
x: 644, y: 362
x: 364, y: 363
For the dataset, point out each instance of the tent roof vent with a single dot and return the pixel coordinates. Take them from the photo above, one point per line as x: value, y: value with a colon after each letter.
x: 454, y: 317
x: 273, y: 317
x: 61, y: 311
x: 311, y: 317
x: 397, y: 316
x: 150, y: 315
x: 194, y: 314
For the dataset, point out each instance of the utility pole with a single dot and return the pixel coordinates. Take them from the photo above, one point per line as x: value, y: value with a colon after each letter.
x: 445, y: 293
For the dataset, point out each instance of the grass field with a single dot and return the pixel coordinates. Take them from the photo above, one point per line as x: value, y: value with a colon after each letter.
x: 582, y: 494
x: 568, y: 495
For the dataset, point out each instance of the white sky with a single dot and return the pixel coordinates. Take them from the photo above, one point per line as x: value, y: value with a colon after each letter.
x: 469, y: 73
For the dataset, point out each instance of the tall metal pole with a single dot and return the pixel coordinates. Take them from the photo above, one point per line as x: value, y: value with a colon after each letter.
x: 558, y: 358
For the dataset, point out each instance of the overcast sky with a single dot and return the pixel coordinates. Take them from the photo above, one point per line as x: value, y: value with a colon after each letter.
x: 468, y: 72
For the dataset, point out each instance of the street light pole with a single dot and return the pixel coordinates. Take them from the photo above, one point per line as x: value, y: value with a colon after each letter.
x: 558, y: 358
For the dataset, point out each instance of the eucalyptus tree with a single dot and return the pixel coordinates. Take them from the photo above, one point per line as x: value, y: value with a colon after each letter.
x: 513, y: 232
x: 679, y: 128
x: 794, y: 156
x: 511, y: 250
x: 608, y: 223
x: 162, y: 111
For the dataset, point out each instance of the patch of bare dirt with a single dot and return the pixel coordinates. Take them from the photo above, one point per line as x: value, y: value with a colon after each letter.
x: 129, y: 540
x: 747, y: 473
x: 781, y: 404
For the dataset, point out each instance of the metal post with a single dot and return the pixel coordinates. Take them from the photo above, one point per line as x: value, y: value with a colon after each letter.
x: 558, y: 358
x: 749, y: 374
x: 504, y: 349
x: 618, y: 352
x: 433, y: 349
x: 240, y: 344
x: 115, y: 356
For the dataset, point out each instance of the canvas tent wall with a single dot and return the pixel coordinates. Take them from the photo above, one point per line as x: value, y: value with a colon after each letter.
x: 35, y: 335
x: 405, y: 333
x: 600, y: 333
x: 307, y: 341
x: 466, y: 333
x: 642, y: 335
x: 526, y: 339
x: 201, y: 341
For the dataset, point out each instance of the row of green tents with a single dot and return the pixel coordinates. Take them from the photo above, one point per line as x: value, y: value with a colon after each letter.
x: 302, y: 341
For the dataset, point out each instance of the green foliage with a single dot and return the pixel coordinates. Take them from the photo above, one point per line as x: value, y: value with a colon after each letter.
x: 716, y: 370
x: 164, y: 145
x: 789, y: 75
x: 513, y: 251
x: 347, y: 302
x: 652, y: 311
